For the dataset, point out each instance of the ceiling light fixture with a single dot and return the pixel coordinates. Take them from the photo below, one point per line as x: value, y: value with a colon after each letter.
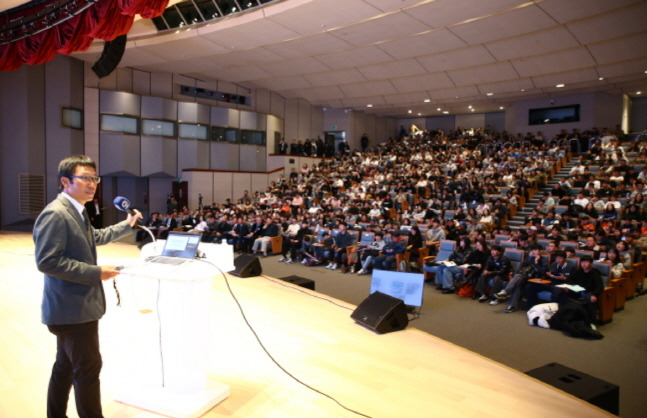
x: 639, y: 92
x: 600, y: 78
x: 409, y: 111
x: 559, y: 86
x: 369, y: 105
x: 439, y: 109
x: 427, y: 100
x: 489, y: 94
x: 446, y: 112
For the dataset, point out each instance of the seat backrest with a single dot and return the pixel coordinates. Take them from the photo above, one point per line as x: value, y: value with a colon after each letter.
x: 582, y: 253
x: 508, y: 244
x: 515, y: 256
x: 367, y: 238
x: 569, y: 244
x: 501, y: 237
x: 320, y: 234
x: 449, y: 214
x: 544, y: 242
x: 605, y: 271
x: 445, y: 249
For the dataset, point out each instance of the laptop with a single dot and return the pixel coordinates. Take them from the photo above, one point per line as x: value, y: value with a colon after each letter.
x: 180, y: 247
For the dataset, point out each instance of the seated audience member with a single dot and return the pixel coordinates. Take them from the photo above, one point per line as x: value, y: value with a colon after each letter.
x: 289, y: 233
x: 534, y: 266
x: 435, y: 234
x: 495, y: 272
x: 152, y: 223
x: 615, y: 260
x: 238, y: 233
x: 340, y: 242
x: 267, y: 232
x: 295, y: 242
x: 558, y: 273
x: 367, y: 254
x: 386, y: 260
x: 323, y: 249
x: 588, y: 278
x: 168, y: 223
x: 459, y: 256
x: 456, y: 275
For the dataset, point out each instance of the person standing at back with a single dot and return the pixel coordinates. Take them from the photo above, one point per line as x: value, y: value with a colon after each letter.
x: 73, y: 295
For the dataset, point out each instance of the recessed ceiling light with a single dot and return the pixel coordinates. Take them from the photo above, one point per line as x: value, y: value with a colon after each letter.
x: 472, y: 109
x: 501, y: 107
x: 639, y: 92
x: 600, y: 78
x: 409, y: 111
x: 427, y: 100
x: 419, y: 114
x: 559, y: 86
x: 439, y: 109
x: 523, y: 89
x: 445, y: 111
x: 369, y: 105
x: 469, y: 107
x: 489, y: 94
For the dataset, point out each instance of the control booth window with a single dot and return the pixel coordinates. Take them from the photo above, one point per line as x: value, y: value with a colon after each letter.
x: 548, y: 115
x: 252, y: 137
x: 193, y: 131
x: 120, y: 123
x: 158, y: 127
x: 72, y: 118
x: 222, y: 134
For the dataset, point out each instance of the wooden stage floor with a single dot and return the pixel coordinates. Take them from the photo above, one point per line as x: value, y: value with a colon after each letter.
x: 401, y: 374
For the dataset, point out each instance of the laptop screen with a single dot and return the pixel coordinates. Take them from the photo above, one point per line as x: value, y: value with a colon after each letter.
x: 181, y: 244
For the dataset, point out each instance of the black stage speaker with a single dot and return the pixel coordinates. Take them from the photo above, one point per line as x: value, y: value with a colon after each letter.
x: 381, y: 313
x: 110, y: 57
x: 247, y: 265
x: 602, y: 394
x: 300, y: 281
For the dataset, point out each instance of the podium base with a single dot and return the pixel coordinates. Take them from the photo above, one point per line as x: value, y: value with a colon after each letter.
x: 171, y: 403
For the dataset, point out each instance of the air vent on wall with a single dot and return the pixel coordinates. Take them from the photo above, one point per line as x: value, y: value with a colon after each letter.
x: 215, y: 95
x: 31, y: 193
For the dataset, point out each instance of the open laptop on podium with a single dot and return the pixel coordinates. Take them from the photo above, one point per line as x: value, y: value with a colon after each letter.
x: 180, y: 247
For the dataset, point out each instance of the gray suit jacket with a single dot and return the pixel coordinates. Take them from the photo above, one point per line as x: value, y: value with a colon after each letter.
x: 73, y: 292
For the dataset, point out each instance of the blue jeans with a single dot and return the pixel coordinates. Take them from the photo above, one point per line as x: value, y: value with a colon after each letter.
x: 437, y: 270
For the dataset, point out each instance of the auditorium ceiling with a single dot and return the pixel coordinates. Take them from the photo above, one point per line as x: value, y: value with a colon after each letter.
x: 409, y: 57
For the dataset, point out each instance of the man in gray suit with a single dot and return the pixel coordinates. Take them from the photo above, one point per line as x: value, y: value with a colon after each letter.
x: 73, y: 296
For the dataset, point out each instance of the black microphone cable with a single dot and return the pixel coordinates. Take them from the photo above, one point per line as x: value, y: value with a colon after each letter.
x: 296, y: 379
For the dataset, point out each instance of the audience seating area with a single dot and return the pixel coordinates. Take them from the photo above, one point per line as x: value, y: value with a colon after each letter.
x: 448, y: 185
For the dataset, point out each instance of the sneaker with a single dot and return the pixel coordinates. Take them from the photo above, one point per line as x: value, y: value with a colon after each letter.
x: 282, y: 259
x: 448, y: 291
x: 494, y: 302
x: 510, y: 309
x: 329, y: 265
x: 304, y: 261
x: 361, y: 271
x: 483, y: 298
x: 502, y: 295
x: 334, y: 266
x: 352, y: 269
x: 289, y: 261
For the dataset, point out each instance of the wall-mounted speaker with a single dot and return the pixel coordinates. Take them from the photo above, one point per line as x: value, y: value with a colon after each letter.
x: 381, y: 313
x: 110, y: 57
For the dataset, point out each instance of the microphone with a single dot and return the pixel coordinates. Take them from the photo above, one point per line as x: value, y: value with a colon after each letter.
x: 123, y: 204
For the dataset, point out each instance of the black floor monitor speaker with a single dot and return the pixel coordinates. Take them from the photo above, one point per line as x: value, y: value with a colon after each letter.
x: 381, y: 313
x: 247, y: 265
x: 300, y: 281
x: 602, y: 394
x: 110, y: 57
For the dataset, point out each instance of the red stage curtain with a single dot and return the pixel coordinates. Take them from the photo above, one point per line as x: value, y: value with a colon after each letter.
x: 105, y: 20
